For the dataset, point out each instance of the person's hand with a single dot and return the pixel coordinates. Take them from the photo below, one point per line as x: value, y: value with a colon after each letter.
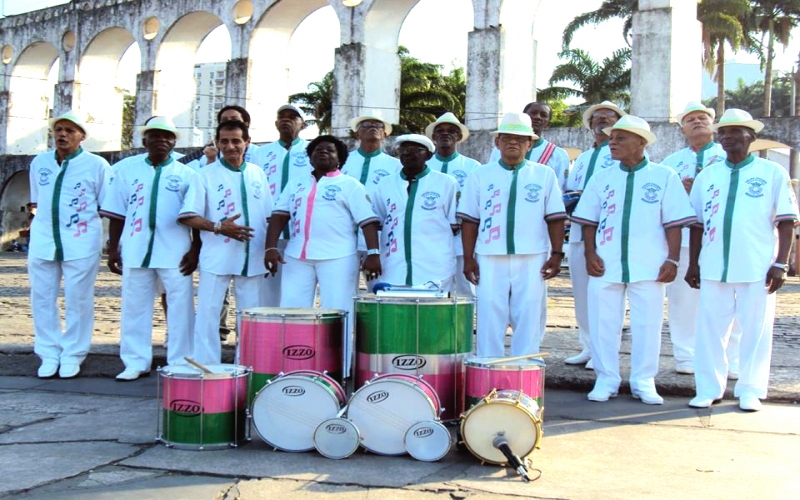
x: 372, y: 267
x: 273, y: 260
x: 667, y: 272
x: 211, y: 152
x: 552, y: 267
x: 114, y: 261
x: 235, y: 231
x: 189, y: 261
x: 595, y: 265
x: 692, y: 277
x: 687, y: 184
x: 776, y: 277
x: 471, y: 270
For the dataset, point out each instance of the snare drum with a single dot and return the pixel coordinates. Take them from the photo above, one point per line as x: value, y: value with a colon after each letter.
x: 275, y: 340
x: 511, y: 414
x: 202, y: 410
x: 526, y: 375
x: 290, y: 407
x: 419, y: 336
x: 387, y: 406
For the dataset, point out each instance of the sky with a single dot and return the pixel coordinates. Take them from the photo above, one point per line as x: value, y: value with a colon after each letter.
x: 426, y: 37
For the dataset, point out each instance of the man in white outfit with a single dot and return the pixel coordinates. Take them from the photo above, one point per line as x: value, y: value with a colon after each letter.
x: 67, y: 187
x: 595, y: 119
x: 446, y: 133
x: 369, y: 163
x: 512, y: 213
x: 224, y: 194
x: 283, y: 161
x: 739, y: 252
x: 695, y: 123
x: 631, y: 217
x: 417, y: 210
x: 142, y: 205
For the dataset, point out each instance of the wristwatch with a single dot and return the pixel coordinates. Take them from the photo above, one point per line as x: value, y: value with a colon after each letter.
x: 784, y: 267
x: 373, y: 251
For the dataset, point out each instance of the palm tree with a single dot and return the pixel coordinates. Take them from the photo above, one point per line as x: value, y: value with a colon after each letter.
x: 593, y: 82
x: 610, y: 9
x: 317, y: 102
x: 424, y: 94
x: 774, y: 19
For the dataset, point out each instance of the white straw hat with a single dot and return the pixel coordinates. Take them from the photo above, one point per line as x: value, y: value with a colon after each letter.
x: 634, y: 125
x: 372, y: 114
x: 738, y: 118
x: 448, y: 118
x: 694, y: 107
x: 516, y: 124
x: 71, y: 116
x: 587, y: 115
x: 161, y: 123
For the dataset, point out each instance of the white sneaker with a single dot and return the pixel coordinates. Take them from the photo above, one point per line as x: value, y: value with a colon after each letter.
x: 48, y: 369
x: 129, y: 374
x: 69, y: 370
x: 589, y: 365
x: 733, y: 375
x: 750, y: 403
x: 686, y: 368
x: 580, y: 358
x: 600, y: 395
x: 648, y: 398
x: 701, y: 402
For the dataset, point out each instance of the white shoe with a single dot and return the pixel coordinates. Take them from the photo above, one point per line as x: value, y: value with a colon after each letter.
x: 686, y: 368
x: 129, y: 374
x: 48, y: 369
x: 589, y: 365
x: 69, y: 370
x: 732, y: 375
x: 750, y: 403
x: 580, y: 358
x: 701, y: 402
x: 600, y: 395
x: 648, y: 398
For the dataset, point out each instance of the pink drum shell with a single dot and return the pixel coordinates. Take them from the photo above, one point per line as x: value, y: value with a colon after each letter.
x: 215, y: 393
x: 526, y: 376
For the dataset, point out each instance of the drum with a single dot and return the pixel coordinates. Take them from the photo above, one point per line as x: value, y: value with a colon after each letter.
x: 290, y: 407
x: 387, y: 406
x: 510, y: 414
x: 200, y: 410
x: 336, y: 438
x: 428, y: 441
x: 275, y: 340
x: 416, y: 336
x: 526, y: 375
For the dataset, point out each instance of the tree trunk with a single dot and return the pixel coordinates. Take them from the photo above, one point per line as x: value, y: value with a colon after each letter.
x: 721, y: 78
x: 768, y: 72
x: 796, y: 94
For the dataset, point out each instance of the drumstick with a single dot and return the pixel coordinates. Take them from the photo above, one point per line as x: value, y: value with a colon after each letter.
x: 516, y: 358
x: 197, y: 365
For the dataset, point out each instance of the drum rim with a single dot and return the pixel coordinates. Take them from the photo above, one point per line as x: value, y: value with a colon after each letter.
x: 422, y: 301
x: 337, y: 388
x: 520, y: 365
x: 435, y: 423
x: 340, y: 420
x: 288, y: 313
x: 394, y: 377
x: 239, y: 371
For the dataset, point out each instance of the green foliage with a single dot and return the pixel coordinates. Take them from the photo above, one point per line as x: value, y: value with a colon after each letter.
x: 609, y: 9
x: 128, y: 112
x: 317, y: 102
x: 751, y: 97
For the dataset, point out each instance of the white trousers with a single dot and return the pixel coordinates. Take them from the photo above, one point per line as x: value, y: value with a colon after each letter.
x: 606, y: 316
x: 72, y: 345
x: 683, y: 302
x: 580, y: 287
x: 460, y: 284
x: 510, y: 291
x: 210, y: 292
x: 754, y: 309
x: 271, y: 286
x: 337, y: 279
x: 136, y: 326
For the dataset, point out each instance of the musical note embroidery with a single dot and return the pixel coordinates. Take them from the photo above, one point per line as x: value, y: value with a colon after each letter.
x: 494, y: 234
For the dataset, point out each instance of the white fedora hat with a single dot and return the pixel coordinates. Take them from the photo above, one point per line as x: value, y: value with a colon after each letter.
x: 160, y: 123
x: 74, y: 117
x: 418, y: 138
x: 694, y: 107
x: 634, y: 125
x: 448, y: 118
x: 738, y: 118
x: 587, y: 115
x: 372, y: 114
x: 516, y: 124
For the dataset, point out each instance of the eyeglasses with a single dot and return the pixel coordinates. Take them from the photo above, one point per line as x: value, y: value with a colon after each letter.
x: 368, y: 124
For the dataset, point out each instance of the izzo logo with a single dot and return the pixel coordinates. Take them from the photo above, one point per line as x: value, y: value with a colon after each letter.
x: 185, y: 407
x: 423, y: 432
x: 298, y: 352
x: 377, y: 397
x: 335, y: 429
x: 408, y: 362
x: 293, y: 390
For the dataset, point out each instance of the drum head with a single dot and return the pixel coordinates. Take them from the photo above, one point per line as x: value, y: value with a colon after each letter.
x: 288, y: 409
x: 336, y: 438
x: 487, y: 420
x: 519, y: 365
x: 186, y: 371
x: 290, y: 314
x: 428, y: 441
x: 384, y: 410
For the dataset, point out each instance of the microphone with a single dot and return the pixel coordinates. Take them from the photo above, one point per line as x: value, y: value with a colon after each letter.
x: 501, y: 444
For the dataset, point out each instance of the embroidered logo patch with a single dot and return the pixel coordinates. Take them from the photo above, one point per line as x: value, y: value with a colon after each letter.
x: 378, y: 175
x: 460, y: 176
x: 651, y: 192
x: 173, y: 183
x: 533, y: 192
x: 44, y: 176
x: 330, y: 192
x: 256, y: 190
x: 429, y: 200
x: 756, y: 189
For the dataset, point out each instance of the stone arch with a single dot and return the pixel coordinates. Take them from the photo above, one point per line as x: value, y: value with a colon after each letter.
x: 174, y: 83
x: 98, y: 96
x: 13, y: 214
x: 268, y: 73
x: 29, y: 100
